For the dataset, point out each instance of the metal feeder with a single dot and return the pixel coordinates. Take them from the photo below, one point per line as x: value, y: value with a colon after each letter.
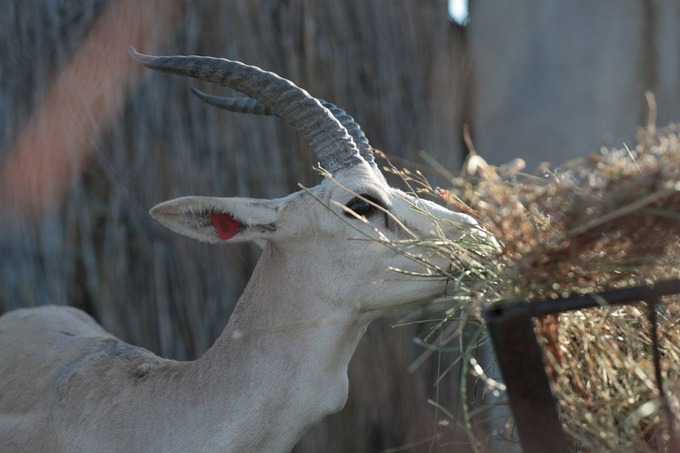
x: 522, y: 365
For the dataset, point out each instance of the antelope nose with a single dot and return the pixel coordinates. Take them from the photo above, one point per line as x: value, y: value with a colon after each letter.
x: 462, y: 224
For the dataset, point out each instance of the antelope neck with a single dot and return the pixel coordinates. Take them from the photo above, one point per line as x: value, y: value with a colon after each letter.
x: 285, y: 351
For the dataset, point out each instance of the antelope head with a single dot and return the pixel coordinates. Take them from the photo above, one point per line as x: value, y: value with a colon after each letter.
x: 343, y: 235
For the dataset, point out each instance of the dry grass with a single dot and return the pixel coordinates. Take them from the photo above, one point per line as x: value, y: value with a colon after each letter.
x: 603, y: 222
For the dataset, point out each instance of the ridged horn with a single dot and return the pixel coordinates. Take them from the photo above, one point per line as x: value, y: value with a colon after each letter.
x: 326, y: 136
x: 253, y: 106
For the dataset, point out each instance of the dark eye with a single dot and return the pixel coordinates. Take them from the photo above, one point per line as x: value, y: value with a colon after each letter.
x: 364, y: 205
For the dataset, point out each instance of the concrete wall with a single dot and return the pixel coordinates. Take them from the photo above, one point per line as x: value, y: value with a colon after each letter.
x: 555, y: 79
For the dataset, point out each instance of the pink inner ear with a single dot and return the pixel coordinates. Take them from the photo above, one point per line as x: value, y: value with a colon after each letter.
x: 225, y: 224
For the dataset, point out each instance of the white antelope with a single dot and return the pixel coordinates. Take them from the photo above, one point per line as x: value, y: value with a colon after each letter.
x: 66, y: 385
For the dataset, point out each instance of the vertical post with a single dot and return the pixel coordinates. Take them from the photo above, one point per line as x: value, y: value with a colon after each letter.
x: 521, y: 361
x: 673, y: 442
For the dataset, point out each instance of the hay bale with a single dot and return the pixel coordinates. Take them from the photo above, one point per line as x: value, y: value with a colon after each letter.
x: 608, y: 221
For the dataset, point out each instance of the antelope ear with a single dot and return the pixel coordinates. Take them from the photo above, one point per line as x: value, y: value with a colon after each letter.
x: 215, y: 220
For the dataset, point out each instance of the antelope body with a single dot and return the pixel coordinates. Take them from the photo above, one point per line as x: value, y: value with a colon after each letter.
x: 281, y: 363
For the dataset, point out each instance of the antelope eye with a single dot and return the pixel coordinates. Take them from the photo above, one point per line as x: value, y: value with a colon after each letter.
x: 363, y: 206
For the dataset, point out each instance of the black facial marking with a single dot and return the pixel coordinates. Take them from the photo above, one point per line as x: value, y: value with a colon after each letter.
x: 365, y: 206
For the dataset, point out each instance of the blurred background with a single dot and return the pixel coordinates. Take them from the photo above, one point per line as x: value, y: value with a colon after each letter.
x: 89, y: 142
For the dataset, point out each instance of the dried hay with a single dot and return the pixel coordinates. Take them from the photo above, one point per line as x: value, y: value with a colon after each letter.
x: 611, y: 220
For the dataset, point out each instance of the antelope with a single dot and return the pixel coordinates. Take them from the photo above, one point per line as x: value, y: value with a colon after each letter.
x: 281, y: 363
